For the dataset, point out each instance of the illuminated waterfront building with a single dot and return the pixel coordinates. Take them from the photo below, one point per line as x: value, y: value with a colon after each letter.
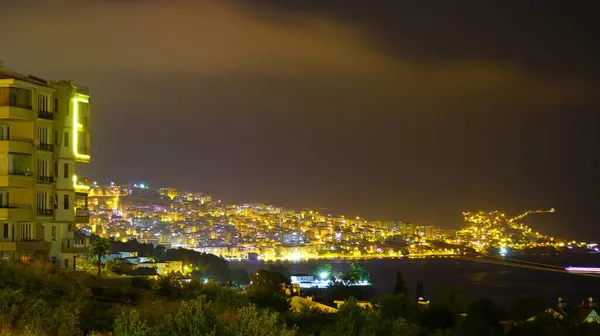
x: 44, y: 132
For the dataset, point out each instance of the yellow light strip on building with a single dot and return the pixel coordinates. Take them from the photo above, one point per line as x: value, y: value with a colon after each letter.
x: 79, y: 187
x: 77, y: 126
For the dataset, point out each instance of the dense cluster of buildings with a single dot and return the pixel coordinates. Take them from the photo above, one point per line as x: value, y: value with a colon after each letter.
x: 169, y: 217
x: 44, y: 133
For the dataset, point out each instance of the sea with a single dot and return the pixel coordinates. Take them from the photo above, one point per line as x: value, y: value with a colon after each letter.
x: 500, y: 282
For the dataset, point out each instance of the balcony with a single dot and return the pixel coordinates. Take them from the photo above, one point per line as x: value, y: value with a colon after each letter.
x: 45, y: 115
x: 12, y: 144
x: 75, y: 245
x: 82, y: 216
x: 17, y: 178
x: 16, y: 112
x: 45, y: 147
x: 45, y: 179
x: 82, y: 90
x: 45, y: 212
x: 25, y: 246
x: 16, y: 212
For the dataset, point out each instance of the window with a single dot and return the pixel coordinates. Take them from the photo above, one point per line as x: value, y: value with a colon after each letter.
x: 55, y: 169
x: 56, y: 104
x: 26, y: 231
x: 66, y: 171
x: 66, y: 202
x: 42, y: 200
x: 66, y: 141
x: 43, y: 134
x: 5, y: 231
x: 4, y: 132
x: 19, y: 164
x: 53, y: 232
x: 42, y: 103
x: 82, y: 142
x: 17, y: 97
x: 3, y: 199
x: 42, y: 168
x: 55, y: 201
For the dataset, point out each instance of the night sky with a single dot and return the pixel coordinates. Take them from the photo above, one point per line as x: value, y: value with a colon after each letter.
x: 412, y: 110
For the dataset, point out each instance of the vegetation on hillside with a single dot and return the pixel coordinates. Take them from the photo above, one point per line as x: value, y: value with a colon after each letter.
x: 40, y: 300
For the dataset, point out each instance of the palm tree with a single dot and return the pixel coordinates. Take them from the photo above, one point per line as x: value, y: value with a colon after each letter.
x: 99, y: 248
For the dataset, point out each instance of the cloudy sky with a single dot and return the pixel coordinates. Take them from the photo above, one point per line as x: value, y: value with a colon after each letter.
x: 413, y: 110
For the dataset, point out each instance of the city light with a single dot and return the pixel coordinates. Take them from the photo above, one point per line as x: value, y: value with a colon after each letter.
x: 267, y: 233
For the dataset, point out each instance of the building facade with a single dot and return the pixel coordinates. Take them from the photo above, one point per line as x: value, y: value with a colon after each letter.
x: 44, y: 133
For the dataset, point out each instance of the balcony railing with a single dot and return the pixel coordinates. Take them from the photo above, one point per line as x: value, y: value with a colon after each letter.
x: 75, y: 245
x: 20, y: 172
x: 46, y: 147
x: 13, y: 103
x: 82, y: 212
x: 15, y: 206
x: 82, y: 216
x: 46, y: 179
x: 45, y: 212
x: 12, y: 138
x: 46, y: 115
x: 77, y: 242
x: 82, y: 90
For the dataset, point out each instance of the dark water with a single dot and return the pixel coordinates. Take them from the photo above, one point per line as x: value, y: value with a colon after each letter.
x: 479, y: 280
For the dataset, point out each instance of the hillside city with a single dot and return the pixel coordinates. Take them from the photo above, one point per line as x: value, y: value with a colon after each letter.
x: 173, y: 218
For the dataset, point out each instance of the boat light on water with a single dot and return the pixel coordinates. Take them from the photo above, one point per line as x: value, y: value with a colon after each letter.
x: 583, y: 269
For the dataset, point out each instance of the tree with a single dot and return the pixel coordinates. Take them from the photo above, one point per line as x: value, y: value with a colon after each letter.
x: 196, y: 318
x: 399, y: 306
x: 99, y: 248
x: 159, y: 252
x: 255, y: 322
x: 268, y: 280
x: 420, y: 290
x: 280, y: 269
x: 453, y: 298
x: 239, y: 277
x: 130, y: 324
x: 401, y: 327
x: 357, y: 273
x: 400, y: 287
x: 353, y: 319
x: 322, y: 271
x: 482, y: 319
